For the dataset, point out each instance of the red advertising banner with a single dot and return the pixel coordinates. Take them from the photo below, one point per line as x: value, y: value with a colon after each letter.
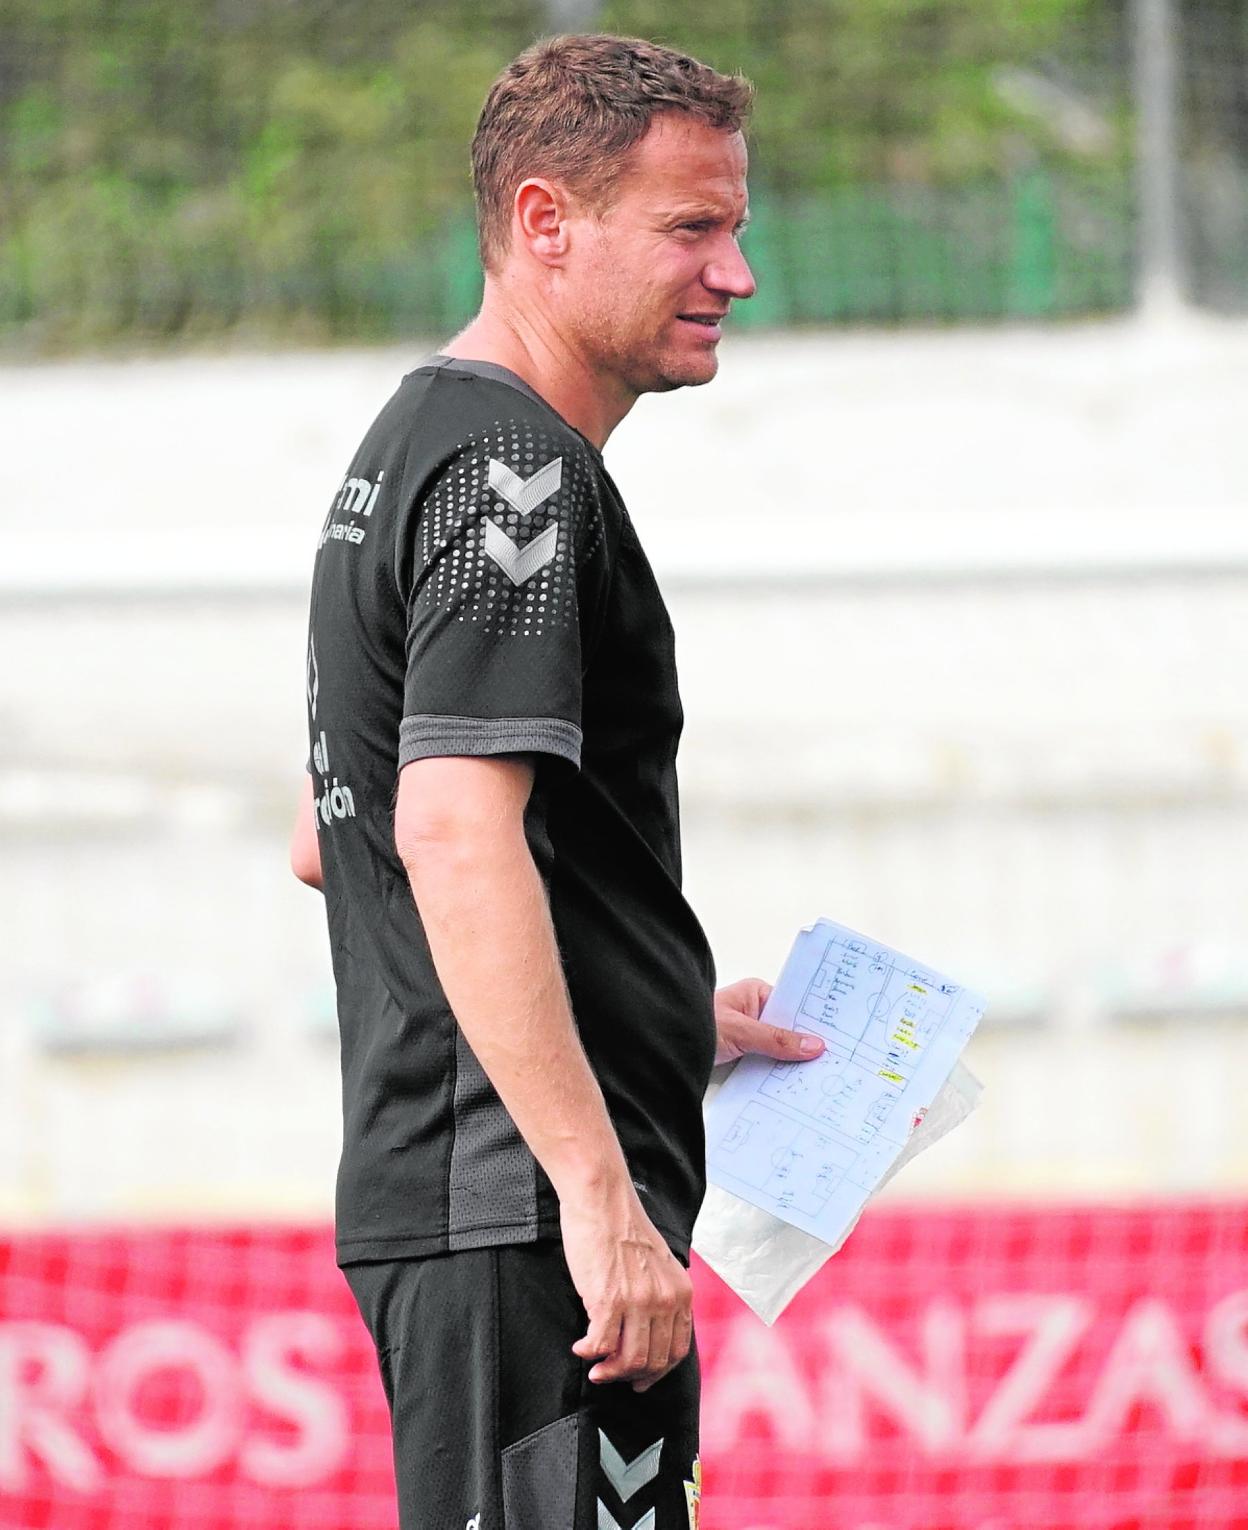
x: 986, y: 1369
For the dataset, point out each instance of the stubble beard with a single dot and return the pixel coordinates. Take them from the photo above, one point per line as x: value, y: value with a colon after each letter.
x: 646, y: 364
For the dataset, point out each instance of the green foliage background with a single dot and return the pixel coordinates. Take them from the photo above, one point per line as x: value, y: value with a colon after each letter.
x: 298, y: 169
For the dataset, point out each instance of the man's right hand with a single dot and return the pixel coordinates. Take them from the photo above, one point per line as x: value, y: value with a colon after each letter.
x: 637, y: 1294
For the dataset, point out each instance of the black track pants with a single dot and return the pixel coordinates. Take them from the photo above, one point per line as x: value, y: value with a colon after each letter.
x: 495, y: 1425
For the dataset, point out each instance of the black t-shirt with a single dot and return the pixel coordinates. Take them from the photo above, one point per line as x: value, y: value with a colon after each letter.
x: 479, y: 589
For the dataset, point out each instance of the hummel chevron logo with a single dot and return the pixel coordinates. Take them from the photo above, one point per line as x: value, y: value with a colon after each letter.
x: 314, y: 676
x: 522, y: 494
x: 608, y: 1521
x: 627, y: 1476
x: 520, y: 563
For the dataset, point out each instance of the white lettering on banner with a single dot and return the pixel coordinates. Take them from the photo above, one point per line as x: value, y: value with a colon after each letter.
x: 193, y: 1448
x: 1226, y: 1347
x: 1051, y: 1328
x: 1149, y: 1363
x: 930, y: 1405
x: 45, y: 1372
x: 761, y: 1381
x: 761, y: 1378
x: 313, y: 1406
x: 51, y: 1392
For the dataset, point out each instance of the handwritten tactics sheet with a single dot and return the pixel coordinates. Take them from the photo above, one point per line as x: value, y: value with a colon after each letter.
x: 810, y: 1141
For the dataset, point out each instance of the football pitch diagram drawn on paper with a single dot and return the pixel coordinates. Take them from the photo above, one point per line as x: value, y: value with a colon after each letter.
x: 810, y: 1141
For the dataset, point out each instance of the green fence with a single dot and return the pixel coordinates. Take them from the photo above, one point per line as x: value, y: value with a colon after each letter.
x: 1035, y: 247
x: 273, y: 171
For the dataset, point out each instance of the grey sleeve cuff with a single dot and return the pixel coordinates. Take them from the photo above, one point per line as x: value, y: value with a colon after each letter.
x: 423, y: 735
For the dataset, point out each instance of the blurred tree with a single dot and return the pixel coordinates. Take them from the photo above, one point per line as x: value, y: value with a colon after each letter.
x: 302, y: 169
x: 862, y: 90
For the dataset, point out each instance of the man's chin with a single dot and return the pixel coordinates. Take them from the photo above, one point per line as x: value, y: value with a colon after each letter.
x: 685, y: 372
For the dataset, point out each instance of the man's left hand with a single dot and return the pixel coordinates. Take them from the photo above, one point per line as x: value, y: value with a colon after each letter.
x: 739, y: 1030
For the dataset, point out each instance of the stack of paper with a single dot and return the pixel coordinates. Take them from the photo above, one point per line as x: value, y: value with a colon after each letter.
x: 807, y: 1143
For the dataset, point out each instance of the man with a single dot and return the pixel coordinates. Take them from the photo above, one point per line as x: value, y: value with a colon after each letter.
x: 526, y: 1000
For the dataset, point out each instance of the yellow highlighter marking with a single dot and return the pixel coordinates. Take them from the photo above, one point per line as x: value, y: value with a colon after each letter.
x: 895, y: 1078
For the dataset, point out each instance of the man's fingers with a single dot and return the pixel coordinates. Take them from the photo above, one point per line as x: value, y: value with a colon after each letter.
x: 682, y: 1335
x: 631, y: 1353
x: 805, y: 1044
x: 602, y: 1337
x: 658, y: 1361
x: 776, y: 1041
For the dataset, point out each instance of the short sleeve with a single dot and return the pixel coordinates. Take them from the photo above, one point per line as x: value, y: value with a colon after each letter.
x: 507, y: 564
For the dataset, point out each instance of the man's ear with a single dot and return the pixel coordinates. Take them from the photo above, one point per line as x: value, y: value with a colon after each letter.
x: 541, y: 216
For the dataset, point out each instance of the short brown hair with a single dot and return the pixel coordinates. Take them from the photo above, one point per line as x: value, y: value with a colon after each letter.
x: 572, y: 107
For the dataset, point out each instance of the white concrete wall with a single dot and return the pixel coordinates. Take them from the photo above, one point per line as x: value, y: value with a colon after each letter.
x: 961, y: 645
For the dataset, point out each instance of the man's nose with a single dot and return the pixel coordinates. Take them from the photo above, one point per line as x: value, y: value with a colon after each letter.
x: 729, y: 272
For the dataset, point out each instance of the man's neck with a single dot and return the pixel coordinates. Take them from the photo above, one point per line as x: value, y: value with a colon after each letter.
x: 531, y: 347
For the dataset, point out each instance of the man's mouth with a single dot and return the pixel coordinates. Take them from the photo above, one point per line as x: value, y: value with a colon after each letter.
x: 708, y: 323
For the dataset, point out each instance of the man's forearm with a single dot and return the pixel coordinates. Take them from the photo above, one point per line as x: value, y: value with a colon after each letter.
x: 488, y: 925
